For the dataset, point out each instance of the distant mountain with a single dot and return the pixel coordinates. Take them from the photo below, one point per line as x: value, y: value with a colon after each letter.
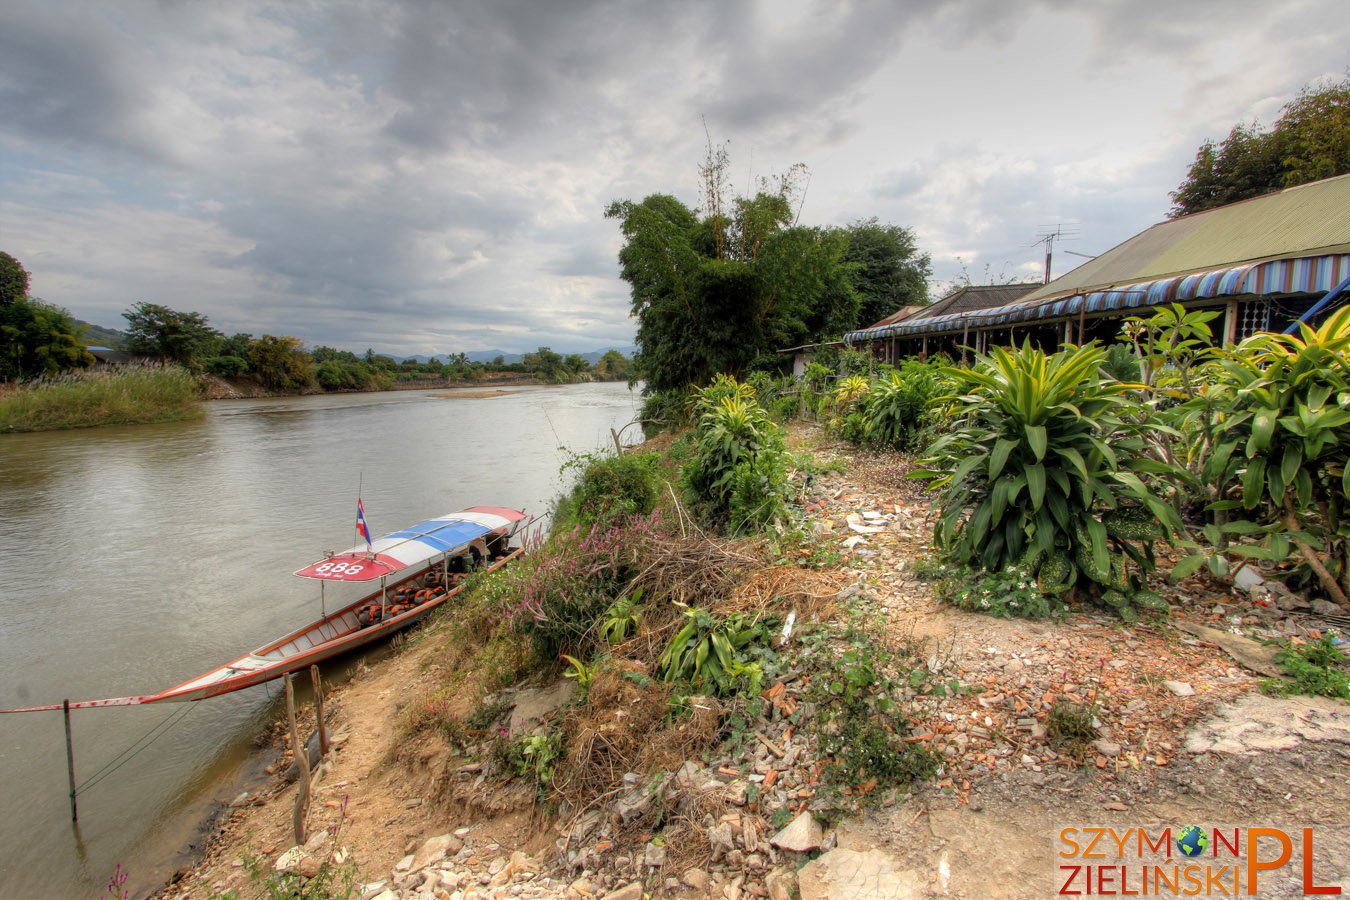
x: 98, y: 336
x: 489, y: 355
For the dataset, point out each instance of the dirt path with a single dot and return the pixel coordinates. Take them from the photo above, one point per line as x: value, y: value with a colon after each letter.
x: 987, y: 827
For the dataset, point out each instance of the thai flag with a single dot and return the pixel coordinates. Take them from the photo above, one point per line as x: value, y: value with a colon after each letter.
x: 361, y: 527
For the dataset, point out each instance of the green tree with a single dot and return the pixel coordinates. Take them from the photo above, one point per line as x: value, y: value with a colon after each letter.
x: 717, y: 293
x: 280, y: 363
x: 38, y: 338
x: 13, y: 280
x: 576, y: 366
x: 887, y: 271
x: 613, y: 366
x: 545, y: 363
x: 1309, y: 141
x: 181, y: 337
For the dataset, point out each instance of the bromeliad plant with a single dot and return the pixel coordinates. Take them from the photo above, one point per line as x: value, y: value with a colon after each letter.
x: 1041, y: 467
x: 1285, y: 449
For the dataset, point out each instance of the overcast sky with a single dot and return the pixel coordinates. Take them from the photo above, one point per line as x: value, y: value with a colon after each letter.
x: 424, y: 177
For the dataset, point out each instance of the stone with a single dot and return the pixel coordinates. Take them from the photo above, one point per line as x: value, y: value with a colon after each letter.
x: 241, y: 800
x: 696, y: 879
x: 434, y: 850
x: 1249, y: 580
x: 1180, y: 688
x: 373, y: 889
x: 722, y: 840
x: 1251, y: 654
x: 317, y: 841
x: 308, y: 867
x: 1107, y: 748
x: 537, y: 704
x: 1325, y: 607
x: 627, y: 892
x: 655, y: 856
x: 636, y: 803
x: 287, y: 861
x: 802, y: 835
x: 404, y: 864
x: 781, y: 884
x: 690, y: 776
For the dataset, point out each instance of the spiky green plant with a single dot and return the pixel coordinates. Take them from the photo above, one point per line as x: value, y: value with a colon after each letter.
x: 1041, y: 466
x: 1285, y: 446
x: 738, y: 475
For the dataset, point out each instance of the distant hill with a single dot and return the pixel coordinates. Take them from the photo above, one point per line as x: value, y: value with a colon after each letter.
x: 98, y: 336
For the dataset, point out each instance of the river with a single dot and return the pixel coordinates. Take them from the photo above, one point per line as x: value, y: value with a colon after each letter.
x: 132, y: 558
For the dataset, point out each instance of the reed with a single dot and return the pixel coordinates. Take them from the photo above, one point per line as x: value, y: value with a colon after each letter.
x: 123, y: 396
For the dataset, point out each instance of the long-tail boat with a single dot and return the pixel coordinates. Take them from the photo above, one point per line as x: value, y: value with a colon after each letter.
x: 418, y: 569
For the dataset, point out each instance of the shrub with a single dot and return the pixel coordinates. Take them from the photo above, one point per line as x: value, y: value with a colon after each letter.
x: 1041, y: 468
x: 710, y: 653
x: 228, y: 366
x: 897, y: 406
x: 1122, y: 364
x: 863, y: 730
x: 737, y: 478
x: 566, y: 586
x: 1284, y: 447
x: 611, y: 489
x: 1317, y: 669
x: 664, y: 411
x: 1012, y: 592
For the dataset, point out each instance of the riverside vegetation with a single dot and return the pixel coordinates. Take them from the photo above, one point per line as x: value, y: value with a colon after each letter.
x: 703, y: 621
x: 129, y: 396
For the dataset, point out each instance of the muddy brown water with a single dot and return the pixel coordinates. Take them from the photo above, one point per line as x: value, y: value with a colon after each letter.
x: 134, y: 558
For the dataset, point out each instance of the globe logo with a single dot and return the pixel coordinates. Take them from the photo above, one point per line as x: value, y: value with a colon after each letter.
x: 1192, y: 841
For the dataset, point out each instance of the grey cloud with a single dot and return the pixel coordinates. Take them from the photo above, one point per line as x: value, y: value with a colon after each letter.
x: 60, y: 80
x: 762, y: 82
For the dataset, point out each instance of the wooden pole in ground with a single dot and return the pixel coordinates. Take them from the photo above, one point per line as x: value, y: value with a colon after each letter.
x: 301, y: 754
x: 318, y: 711
x: 70, y: 763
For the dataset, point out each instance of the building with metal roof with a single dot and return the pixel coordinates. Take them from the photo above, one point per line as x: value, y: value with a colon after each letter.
x: 1264, y: 261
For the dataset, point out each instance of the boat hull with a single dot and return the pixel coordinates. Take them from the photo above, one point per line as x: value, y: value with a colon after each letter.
x: 239, y: 674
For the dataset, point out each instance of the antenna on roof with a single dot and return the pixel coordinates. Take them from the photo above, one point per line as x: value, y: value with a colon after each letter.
x: 1051, y: 233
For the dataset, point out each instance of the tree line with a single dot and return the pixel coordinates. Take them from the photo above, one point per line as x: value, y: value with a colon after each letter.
x: 39, y: 338
x: 281, y: 363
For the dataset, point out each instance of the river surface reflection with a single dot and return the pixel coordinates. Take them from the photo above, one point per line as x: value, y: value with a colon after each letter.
x: 134, y: 558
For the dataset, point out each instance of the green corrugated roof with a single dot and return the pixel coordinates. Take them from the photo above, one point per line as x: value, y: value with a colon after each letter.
x: 1299, y: 221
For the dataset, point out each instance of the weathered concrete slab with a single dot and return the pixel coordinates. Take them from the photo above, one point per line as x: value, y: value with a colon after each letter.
x: 1257, y: 722
x: 535, y: 705
x: 844, y: 874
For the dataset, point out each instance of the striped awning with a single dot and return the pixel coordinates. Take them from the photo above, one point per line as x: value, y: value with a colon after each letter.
x: 415, y: 545
x: 1304, y: 275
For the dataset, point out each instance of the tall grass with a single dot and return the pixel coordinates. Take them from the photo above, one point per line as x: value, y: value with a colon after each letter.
x: 124, y: 396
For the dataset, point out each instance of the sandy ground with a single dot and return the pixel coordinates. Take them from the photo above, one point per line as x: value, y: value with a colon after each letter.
x: 469, y: 394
